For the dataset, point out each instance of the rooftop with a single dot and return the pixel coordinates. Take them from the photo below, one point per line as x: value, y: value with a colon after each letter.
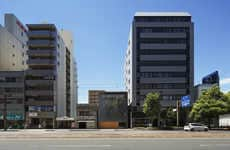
x: 162, y: 14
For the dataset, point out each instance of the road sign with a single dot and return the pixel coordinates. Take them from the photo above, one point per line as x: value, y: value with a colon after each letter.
x: 185, y: 101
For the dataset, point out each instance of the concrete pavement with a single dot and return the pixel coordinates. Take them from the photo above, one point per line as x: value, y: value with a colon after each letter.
x: 117, y: 144
x: 108, y: 133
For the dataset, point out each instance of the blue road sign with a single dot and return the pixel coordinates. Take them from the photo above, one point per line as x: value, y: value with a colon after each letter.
x: 185, y: 101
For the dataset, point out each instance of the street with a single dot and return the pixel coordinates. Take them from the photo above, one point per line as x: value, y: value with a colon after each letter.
x: 116, y: 144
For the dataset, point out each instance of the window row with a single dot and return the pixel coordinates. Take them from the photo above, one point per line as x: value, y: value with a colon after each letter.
x: 161, y: 74
x: 163, y: 86
x: 162, y: 63
x: 163, y: 19
x: 163, y: 29
x: 162, y: 40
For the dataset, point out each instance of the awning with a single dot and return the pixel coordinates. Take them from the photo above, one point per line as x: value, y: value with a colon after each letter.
x: 65, y: 118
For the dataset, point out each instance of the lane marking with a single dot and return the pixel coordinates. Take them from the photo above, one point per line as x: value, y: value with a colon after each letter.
x: 79, y: 146
x: 204, y: 145
x: 223, y: 145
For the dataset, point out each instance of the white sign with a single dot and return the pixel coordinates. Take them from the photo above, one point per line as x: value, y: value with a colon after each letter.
x: 33, y: 114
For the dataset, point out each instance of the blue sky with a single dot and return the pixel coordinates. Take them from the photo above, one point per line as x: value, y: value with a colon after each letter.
x: 101, y: 29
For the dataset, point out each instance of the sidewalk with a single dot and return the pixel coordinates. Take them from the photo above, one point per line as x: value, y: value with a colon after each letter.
x: 107, y: 133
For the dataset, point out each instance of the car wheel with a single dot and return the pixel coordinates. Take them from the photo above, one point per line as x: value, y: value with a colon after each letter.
x: 192, y: 129
x: 206, y: 130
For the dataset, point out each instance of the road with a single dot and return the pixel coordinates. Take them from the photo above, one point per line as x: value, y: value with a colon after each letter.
x: 116, y: 144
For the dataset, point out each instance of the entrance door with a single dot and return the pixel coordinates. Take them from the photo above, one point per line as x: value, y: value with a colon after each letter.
x: 82, y: 125
x: 35, y: 122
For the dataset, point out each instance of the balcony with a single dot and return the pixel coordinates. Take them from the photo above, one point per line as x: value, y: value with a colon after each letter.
x: 42, y: 34
x: 41, y: 62
x: 42, y: 52
x: 41, y: 27
x: 39, y: 93
x: 41, y: 72
x: 39, y: 102
x: 39, y: 82
x: 42, y: 43
x: 12, y: 85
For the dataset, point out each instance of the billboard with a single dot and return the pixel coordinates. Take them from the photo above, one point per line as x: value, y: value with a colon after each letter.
x: 212, y: 78
x: 185, y: 101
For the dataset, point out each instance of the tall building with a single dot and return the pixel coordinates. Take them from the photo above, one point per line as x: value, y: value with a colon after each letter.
x: 159, y: 57
x: 44, y: 57
x: 13, y: 45
x: 50, y: 77
x: 93, y: 96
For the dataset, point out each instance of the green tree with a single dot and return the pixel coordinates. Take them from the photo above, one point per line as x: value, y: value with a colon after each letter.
x: 168, y: 116
x: 209, y: 105
x: 152, y: 106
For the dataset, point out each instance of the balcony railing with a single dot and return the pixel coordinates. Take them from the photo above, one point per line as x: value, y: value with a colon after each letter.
x: 42, y: 52
x: 41, y: 62
x: 39, y: 82
x: 40, y: 72
x: 39, y: 93
x: 41, y: 34
x: 42, y: 43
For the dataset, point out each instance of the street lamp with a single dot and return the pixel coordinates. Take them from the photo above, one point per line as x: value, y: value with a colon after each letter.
x: 5, y: 112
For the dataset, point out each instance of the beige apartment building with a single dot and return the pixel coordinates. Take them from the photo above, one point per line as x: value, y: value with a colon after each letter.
x: 93, y: 96
x: 44, y: 56
x: 13, y: 46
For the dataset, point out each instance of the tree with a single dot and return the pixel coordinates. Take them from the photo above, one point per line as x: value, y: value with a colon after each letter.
x: 168, y: 116
x: 209, y: 105
x: 152, y: 106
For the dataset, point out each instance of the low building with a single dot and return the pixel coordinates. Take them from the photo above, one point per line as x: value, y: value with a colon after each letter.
x: 12, y: 94
x: 87, y: 116
x: 207, y: 82
x: 113, y: 110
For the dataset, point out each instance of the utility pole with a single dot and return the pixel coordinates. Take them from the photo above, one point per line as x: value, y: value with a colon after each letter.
x: 5, y: 112
x: 177, y: 112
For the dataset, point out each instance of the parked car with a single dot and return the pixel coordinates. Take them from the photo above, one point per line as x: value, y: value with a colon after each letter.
x: 195, y: 127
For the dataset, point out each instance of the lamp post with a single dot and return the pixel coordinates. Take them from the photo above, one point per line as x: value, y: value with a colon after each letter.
x: 177, y: 114
x: 5, y: 112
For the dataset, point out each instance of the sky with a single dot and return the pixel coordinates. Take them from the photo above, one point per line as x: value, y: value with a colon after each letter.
x: 101, y: 29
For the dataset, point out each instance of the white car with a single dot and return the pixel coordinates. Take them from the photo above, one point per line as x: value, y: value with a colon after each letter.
x: 195, y: 127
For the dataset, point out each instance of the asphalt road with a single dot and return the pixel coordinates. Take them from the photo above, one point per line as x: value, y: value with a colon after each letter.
x: 116, y: 144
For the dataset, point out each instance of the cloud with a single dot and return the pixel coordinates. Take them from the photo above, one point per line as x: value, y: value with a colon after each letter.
x: 225, y: 81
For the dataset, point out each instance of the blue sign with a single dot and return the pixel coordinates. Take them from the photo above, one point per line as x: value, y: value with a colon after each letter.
x: 185, y: 101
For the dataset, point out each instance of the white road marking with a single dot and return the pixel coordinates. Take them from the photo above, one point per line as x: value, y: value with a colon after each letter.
x: 223, y: 145
x: 79, y: 146
x: 204, y: 145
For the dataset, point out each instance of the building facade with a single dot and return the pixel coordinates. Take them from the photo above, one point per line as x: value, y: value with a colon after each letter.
x: 87, y: 115
x: 208, y: 81
x: 12, y: 98
x: 50, y: 79
x: 113, y: 110
x: 159, y: 57
x: 13, y: 45
x: 46, y: 57
x: 93, y: 96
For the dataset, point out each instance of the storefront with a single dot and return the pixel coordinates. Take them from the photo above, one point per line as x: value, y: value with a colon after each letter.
x: 65, y: 122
